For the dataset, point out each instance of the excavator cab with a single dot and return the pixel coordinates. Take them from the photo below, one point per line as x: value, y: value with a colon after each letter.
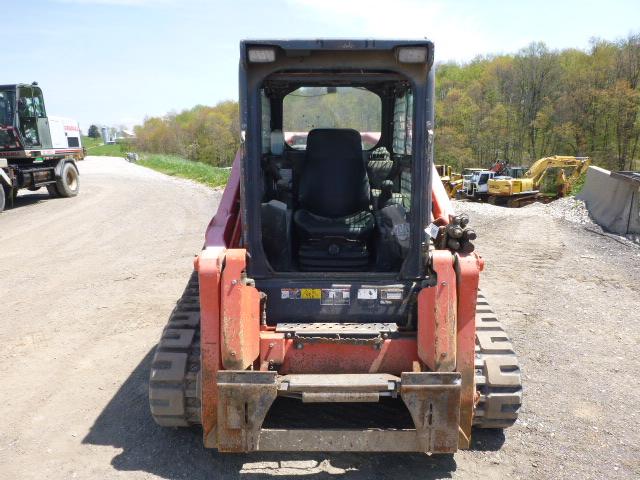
x: 335, y: 270
x: 23, y: 118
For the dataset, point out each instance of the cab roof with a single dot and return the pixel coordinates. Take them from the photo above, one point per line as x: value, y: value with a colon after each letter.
x: 339, y: 44
x: 331, y: 44
x: 17, y: 85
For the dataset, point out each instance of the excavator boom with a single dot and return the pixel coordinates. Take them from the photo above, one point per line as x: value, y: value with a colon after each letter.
x: 520, y: 191
x: 539, y: 168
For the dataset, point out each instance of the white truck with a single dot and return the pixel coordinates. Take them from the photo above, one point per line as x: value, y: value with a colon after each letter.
x: 36, y: 150
x: 477, y: 185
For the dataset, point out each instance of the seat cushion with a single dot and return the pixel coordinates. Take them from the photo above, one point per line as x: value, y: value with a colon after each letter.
x: 357, y: 226
x: 333, y: 255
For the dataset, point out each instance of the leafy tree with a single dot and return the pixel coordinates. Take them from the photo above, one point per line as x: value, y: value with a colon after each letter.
x: 205, y: 134
x: 540, y: 102
x: 94, y: 131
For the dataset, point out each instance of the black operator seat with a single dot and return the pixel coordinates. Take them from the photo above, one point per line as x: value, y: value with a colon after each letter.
x: 334, y: 194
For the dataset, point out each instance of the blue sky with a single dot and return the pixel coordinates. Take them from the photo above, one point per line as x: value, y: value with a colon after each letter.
x: 117, y: 61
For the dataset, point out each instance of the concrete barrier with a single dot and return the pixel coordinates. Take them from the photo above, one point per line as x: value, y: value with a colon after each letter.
x: 613, y: 200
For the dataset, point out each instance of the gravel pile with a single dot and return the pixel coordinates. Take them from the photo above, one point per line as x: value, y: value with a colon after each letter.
x: 575, y: 211
x: 568, y: 209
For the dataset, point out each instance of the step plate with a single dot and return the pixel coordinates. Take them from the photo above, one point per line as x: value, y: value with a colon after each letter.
x: 352, y: 330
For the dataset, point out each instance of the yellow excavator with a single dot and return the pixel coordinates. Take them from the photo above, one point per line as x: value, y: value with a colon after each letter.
x: 452, y: 181
x: 517, y: 192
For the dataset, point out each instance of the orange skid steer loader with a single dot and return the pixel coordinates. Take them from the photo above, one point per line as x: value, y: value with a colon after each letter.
x: 335, y: 271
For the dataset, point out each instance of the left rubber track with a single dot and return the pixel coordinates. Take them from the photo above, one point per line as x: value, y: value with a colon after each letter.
x: 174, y: 395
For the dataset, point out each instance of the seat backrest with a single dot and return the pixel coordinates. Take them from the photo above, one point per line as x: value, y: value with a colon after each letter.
x: 334, y: 180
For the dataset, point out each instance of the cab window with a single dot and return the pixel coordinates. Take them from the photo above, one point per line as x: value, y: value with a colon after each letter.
x: 307, y: 108
x: 6, y: 107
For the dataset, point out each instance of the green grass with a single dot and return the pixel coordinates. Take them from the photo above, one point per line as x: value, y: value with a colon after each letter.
x: 88, y: 142
x: 95, y: 146
x: 179, y: 167
x: 113, y: 150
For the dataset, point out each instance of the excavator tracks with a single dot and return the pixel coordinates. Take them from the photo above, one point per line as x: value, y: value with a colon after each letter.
x: 498, y: 379
x: 174, y: 395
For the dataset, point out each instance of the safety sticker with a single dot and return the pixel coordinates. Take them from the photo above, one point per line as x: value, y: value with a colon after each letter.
x: 367, y: 294
x: 300, y: 294
x: 310, y: 293
x: 388, y: 295
x: 290, y: 293
x: 336, y: 296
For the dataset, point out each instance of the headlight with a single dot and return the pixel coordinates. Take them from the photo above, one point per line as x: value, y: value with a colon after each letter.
x: 412, y: 54
x: 261, y: 55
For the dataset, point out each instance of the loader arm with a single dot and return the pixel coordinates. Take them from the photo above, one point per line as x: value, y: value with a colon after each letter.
x: 225, y: 227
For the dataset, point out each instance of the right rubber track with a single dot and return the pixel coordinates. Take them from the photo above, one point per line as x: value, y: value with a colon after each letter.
x: 174, y: 393
x: 498, y: 378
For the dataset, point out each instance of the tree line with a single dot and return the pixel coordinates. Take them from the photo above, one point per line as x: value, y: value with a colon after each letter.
x: 540, y: 102
x: 204, y: 134
x: 515, y: 107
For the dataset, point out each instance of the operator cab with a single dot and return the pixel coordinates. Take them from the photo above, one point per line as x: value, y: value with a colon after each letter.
x: 23, y: 118
x: 337, y: 163
x: 335, y: 181
x: 516, y: 172
x: 482, y: 178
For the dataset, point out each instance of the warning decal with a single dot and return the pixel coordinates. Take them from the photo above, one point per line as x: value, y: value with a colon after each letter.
x: 336, y: 296
x: 290, y: 293
x: 310, y: 294
x: 300, y: 294
x: 367, y: 294
x: 388, y: 295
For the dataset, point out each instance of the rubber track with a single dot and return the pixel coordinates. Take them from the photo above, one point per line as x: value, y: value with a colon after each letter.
x: 498, y: 378
x: 174, y: 396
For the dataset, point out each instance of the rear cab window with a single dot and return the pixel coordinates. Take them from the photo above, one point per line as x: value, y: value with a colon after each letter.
x: 307, y: 108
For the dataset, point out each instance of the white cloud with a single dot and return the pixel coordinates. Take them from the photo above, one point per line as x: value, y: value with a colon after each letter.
x: 454, y: 32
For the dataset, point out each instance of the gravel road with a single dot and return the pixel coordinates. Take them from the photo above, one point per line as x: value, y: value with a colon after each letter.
x: 87, y: 284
